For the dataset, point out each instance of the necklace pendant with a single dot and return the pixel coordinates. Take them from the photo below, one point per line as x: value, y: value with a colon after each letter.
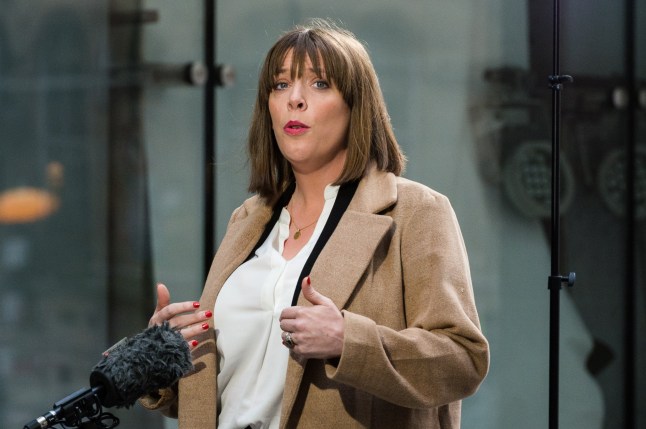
x: 297, y: 234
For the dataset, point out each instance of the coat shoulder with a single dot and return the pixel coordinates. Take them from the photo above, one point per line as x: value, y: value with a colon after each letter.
x: 415, y: 194
x: 248, y: 206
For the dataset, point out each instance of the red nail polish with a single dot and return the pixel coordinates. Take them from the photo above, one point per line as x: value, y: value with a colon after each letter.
x: 205, y: 326
x: 196, y: 304
x: 309, y: 280
x: 194, y: 343
x: 208, y: 314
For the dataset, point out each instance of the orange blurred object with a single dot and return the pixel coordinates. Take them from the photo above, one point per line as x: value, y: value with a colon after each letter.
x: 25, y: 204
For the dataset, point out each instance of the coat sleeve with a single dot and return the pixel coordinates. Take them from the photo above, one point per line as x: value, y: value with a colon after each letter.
x: 165, y: 401
x: 440, y: 355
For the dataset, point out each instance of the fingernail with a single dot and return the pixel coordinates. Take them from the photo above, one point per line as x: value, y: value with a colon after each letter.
x: 194, y: 343
x: 205, y: 326
x: 196, y: 304
x: 309, y: 280
x: 208, y: 314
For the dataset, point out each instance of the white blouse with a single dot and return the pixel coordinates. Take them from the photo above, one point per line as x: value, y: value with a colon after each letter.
x: 253, y: 360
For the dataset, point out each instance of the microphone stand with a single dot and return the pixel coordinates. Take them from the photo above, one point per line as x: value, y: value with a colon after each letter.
x: 556, y: 280
x: 82, y: 409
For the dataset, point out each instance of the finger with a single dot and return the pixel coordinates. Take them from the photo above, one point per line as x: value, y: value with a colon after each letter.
x: 183, y: 321
x: 288, y: 325
x: 287, y: 314
x: 282, y: 335
x: 313, y: 296
x: 288, y: 340
x: 191, y: 331
x: 163, y: 297
x: 176, y: 311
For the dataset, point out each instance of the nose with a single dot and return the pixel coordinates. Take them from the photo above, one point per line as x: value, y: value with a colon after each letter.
x: 297, y: 98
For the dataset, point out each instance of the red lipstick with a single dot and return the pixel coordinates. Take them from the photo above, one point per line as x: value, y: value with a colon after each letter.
x: 295, y: 128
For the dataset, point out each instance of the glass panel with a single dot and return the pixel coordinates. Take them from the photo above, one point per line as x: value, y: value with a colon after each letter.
x: 53, y: 211
x: 174, y: 141
x: 173, y: 128
x: 595, y: 141
x: 100, y: 148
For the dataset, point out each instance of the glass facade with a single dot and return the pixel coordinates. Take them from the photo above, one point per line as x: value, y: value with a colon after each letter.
x: 102, y: 168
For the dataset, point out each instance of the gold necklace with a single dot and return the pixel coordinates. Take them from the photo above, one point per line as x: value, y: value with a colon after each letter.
x: 297, y: 234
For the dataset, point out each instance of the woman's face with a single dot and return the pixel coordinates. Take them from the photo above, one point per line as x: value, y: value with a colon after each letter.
x: 310, y: 120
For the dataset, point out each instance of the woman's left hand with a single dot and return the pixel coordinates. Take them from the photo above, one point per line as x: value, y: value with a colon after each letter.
x: 315, y: 332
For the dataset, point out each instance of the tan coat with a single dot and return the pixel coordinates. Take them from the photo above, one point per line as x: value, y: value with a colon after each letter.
x: 397, y: 267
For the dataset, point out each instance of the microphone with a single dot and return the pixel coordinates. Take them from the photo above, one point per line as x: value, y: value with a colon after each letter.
x: 153, y: 359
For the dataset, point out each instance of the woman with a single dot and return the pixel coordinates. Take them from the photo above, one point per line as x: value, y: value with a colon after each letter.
x: 340, y: 295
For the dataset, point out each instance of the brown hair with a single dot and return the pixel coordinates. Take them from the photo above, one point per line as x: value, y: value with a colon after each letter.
x: 347, y: 66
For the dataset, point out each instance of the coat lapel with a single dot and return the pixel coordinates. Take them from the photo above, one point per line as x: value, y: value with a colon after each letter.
x: 347, y: 255
x: 350, y: 249
x: 345, y: 258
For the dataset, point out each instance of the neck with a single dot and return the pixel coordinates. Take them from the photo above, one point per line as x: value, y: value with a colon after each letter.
x: 309, y: 194
x: 310, y: 184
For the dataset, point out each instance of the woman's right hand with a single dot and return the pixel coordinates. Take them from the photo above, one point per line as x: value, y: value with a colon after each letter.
x: 184, y: 317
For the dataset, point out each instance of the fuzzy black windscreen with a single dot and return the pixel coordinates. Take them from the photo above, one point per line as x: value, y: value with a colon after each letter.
x: 153, y: 359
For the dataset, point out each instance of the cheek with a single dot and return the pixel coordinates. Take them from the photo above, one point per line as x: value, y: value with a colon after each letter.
x: 343, y: 119
x: 273, y: 122
x: 272, y: 104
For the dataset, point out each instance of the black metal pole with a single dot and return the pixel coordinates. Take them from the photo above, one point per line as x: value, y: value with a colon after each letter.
x: 555, y: 279
x: 630, y: 293
x: 555, y: 222
x: 209, y: 133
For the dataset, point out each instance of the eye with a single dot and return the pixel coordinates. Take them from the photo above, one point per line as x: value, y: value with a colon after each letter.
x: 280, y: 85
x: 321, y: 84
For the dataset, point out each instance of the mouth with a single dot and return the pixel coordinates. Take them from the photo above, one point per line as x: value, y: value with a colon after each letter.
x: 295, y: 128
